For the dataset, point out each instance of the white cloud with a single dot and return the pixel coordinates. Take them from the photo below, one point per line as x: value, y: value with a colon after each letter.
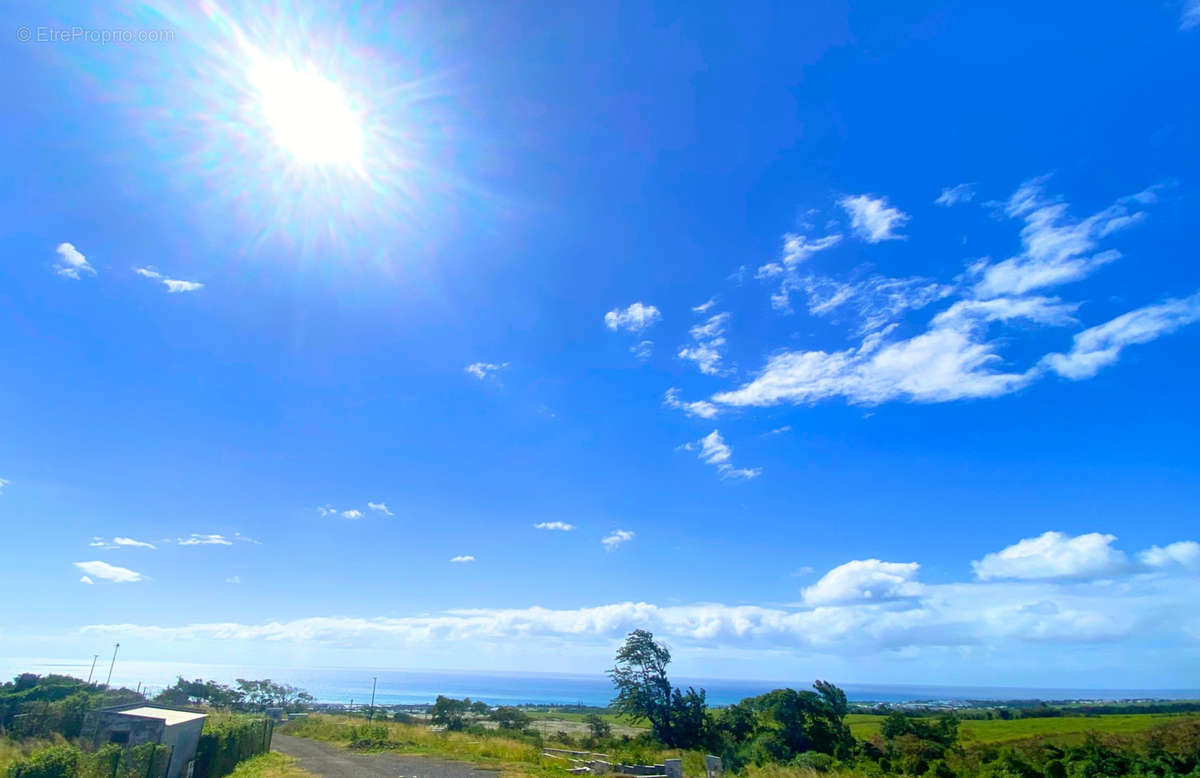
x: 130, y: 542
x: 3, y: 483
x: 1054, y: 555
x: 778, y: 431
x: 233, y: 579
x: 615, y: 538
x: 635, y: 318
x: 707, y: 356
x: 71, y: 263
x: 642, y: 350
x: 462, y: 558
x: 327, y: 510
x: 863, y: 608
x: 173, y: 285
x: 878, y: 300
x: 85, y: 580
x: 107, y: 572
x: 1100, y: 346
x: 700, y: 408
x: 560, y: 526
x: 1191, y: 15
x: 865, y: 580
x: 951, y: 360
x: 482, y: 370
x: 353, y: 513
x: 380, y: 507
x: 1185, y: 553
x: 713, y: 450
x: 204, y: 540
x: 953, y: 195
x: 1056, y: 249
x: 797, y: 249
x: 703, y: 307
x: 873, y: 219
x: 706, y: 352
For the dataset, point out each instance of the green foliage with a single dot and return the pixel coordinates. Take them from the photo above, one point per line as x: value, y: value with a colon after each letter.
x: 450, y: 713
x: 33, y: 706
x: 66, y: 761
x: 598, y: 728
x: 644, y: 693
x: 228, y: 740
x: 507, y: 717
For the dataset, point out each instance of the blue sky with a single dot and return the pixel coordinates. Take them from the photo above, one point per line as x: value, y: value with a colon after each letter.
x: 824, y: 341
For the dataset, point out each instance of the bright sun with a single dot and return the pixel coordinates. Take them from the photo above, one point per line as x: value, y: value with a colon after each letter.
x: 309, y: 115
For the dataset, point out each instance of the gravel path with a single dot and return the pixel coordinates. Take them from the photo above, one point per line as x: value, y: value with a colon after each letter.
x: 330, y: 761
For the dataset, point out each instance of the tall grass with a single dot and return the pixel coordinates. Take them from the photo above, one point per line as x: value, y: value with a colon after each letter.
x: 269, y: 765
x: 13, y: 750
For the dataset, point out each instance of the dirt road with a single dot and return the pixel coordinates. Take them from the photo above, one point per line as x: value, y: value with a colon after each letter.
x: 330, y: 761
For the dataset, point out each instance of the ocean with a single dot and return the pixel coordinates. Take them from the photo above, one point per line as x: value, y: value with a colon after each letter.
x: 400, y: 687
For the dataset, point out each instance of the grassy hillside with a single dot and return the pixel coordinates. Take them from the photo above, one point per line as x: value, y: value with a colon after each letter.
x: 1066, y: 729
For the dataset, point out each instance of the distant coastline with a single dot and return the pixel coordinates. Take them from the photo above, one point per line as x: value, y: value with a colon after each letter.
x: 405, y: 687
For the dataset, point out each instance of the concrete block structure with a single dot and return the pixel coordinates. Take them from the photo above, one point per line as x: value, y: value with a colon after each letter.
x: 133, y: 725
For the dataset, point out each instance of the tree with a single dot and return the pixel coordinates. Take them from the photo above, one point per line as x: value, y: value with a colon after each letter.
x: 599, y: 728
x: 507, y: 717
x: 640, y: 677
x: 450, y: 713
x: 679, y: 719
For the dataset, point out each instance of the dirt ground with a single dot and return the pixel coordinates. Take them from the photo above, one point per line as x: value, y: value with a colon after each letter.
x: 330, y: 761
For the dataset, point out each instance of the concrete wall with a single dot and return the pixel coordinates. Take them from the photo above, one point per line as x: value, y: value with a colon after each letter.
x: 105, y: 727
x: 183, y: 739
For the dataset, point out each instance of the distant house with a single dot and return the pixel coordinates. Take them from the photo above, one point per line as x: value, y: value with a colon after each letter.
x: 133, y: 725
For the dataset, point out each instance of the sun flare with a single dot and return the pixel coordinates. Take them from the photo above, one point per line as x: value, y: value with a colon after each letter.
x: 309, y: 116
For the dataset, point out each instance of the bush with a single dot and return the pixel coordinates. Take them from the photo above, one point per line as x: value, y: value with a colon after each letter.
x: 229, y: 740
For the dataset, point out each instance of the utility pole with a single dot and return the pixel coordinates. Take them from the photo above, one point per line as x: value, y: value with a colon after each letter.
x: 94, y: 658
x: 110, y: 665
x: 371, y: 715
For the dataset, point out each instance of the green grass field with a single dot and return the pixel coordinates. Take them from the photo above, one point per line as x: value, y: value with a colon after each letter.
x: 1066, y: 729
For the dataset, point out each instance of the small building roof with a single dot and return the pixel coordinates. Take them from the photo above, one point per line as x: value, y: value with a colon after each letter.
x: 170, y: 716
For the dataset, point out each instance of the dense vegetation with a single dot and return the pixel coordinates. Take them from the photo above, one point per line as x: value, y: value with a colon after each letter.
x: 41, y: 719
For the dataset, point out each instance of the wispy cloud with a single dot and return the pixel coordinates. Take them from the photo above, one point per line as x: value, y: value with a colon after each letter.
x: 614, y: 539
x: 106, y: 572
x: 958, y: 354
x: 873, y: 219
x: 642, y: 350
x: 86, y: 580
x: 1100, y: 346
x: 482, y: 370
x: 953, y: 195
x: 71, y: 263
x: 704, y: 306
x: 173, y: 285
x: 119, y: 542
x: 379, y: 507
x: 560, y: 526
x: 196, y: 539
x: 713, y: 450
x: 462, y: 558
x: 233, y: 579
x: 778, y: 431
x: 3, y: 483
x: 635, y: 318
x: 699, y: 408
x: 1191, y: 15
x: 1056, y: 248
x: 709, y: 338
